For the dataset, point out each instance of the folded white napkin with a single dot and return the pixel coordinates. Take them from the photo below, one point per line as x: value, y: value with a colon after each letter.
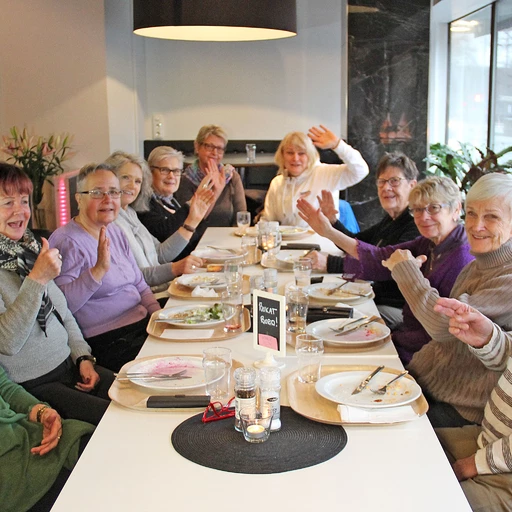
x: 385, y: 415
x: 198, y: 291
x: 187, y: 334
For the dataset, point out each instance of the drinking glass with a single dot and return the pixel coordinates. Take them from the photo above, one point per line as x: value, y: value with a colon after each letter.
x: 251, y: 153
x: 296, y: 310
x: 233, y: 275
x: 309, y: 349
x: 250, y: 249
x: 217, y: 366
x: 243, y: 221
x: 302, y: 271
x: 232, y: 310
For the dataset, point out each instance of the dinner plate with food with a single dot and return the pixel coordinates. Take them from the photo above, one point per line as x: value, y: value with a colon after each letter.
x: 193, y: 316
x: 205, y: 279
x: 338, y: 387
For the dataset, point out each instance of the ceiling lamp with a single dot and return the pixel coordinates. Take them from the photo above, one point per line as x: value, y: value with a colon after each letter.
x: 215, y: 20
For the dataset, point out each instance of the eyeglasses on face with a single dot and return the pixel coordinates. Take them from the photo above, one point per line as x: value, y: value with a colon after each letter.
x: 431, y: 209
x: 99, y: 194
x: 165, y: 171
x: 394, y: 181
x: 212, y: 147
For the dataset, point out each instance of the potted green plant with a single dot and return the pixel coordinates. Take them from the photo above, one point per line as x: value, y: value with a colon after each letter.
x: 41, y: 158
x: 466, y: 164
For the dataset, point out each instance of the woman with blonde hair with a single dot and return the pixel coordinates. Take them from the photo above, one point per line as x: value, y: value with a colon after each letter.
x: 301, y: 174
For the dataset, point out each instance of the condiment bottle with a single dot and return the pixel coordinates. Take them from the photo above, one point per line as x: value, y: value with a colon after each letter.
x: 245, y: 392
x: 270, y: 280
x: 270, y: 387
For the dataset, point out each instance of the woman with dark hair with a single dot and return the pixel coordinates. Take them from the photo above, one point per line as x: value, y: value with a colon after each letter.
x: 41, y: 346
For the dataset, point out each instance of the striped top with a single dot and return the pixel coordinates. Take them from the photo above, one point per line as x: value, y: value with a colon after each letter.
x: 495, y: 451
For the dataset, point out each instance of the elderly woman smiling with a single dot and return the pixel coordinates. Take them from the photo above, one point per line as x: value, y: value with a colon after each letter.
x: 103, y: 285
x: 227, y: 186
x: 443, y: 248
x: 41, y: 346
x: 154, y: 258
x: 301, y: 174
x: 459, y: 385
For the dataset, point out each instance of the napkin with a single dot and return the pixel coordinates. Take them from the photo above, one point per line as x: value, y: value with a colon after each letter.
x: 198, y: 291
x: 351, y: 414
x: 187, y: 334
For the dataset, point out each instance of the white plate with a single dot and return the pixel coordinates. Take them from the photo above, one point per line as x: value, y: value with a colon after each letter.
x: 217, y: 255
x: 170, y: 314
x: 366, y: 335
x: 338, y: 388
x: 291, y: 232
x: 202, y: 279
x: 288, y: 256
x: 319, y: 291
x: 250, y: 231
x: 171, y: 364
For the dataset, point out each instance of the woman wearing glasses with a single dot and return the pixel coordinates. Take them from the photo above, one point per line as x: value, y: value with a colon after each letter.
x: 100, y: 278
x: 165, y: 215
x: 435, y: 204
x: 41, y: 346
x: 226, y: 183
x: 154, y: 258
x: 396, y: 177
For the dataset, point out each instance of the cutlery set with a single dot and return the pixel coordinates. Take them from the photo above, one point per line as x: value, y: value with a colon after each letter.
x: 151, y: 376
x: 382, y: 390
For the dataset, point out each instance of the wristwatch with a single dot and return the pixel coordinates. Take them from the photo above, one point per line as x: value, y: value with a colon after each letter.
x: 84, y: 358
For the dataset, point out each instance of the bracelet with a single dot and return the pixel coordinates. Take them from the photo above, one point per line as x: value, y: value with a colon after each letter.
x: 189, y: 228
x: 39, y: 415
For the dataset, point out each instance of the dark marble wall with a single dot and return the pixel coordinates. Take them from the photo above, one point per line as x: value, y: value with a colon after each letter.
x: 388, y: 54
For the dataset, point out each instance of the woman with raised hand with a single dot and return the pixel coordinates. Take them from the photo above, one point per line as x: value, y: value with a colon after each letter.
x: 435, y: 204
x: 103, y: 285
x: 155, y: 259
x: 302, y: 175
x: 41, y: 346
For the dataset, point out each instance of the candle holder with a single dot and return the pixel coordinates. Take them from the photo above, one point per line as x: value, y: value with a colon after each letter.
x: 256, y: 424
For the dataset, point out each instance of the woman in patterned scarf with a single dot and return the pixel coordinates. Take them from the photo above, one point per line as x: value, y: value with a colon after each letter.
x: 41, y: 346
x: 209, y: 146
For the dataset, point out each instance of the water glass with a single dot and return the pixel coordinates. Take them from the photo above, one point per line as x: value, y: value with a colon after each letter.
x: 251, y: 153
x: 232, y: 310
x: 233, y: 275
x: 302, y: 271
x: 309, y: 349
x: 250, y: 249
x: 243, y: 221
x: 256, y: 424
x: 296, y: 310
x: 217, y: 369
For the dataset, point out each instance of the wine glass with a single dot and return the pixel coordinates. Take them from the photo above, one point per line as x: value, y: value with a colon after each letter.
x: 243, y: 221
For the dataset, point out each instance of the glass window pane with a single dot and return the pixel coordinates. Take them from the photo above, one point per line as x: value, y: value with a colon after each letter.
x: 468, y: 94
x: 501, y: 133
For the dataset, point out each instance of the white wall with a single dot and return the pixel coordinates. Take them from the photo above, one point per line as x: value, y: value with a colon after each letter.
x: 259, y: 90
x: 53, y: 72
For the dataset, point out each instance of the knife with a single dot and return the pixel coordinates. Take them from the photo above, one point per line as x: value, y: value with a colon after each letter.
x: 367, y: 380
x: 357, y: 325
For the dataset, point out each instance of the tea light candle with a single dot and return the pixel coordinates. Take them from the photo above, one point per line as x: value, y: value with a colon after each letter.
x: 256, y: 432
x: 255, y: 429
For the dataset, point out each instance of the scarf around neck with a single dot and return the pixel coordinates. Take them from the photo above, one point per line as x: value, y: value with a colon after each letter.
x: 20, y: 256
x: 195, y: 174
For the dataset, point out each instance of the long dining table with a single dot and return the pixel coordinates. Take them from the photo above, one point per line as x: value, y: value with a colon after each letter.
x: 131, y: 465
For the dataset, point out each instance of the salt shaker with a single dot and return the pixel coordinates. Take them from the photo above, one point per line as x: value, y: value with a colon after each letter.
x: 270, y: 387
x: 245, y: 392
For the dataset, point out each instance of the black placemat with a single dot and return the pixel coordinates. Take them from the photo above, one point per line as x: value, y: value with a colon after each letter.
x: 299, y: 444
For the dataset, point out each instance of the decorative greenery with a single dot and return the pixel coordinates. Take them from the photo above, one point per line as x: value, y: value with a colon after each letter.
x: 466, y: 164
x: 39, y: 157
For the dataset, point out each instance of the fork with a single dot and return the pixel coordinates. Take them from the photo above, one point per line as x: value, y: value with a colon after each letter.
x: 383, y: 389
x: 336, y: 288
x: 348, y: 324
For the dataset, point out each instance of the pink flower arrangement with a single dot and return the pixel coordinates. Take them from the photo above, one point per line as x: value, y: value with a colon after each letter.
x: 40, y: 158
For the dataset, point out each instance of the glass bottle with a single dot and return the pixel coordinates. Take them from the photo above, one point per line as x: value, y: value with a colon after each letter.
x: 270, y: 387
x: 245, y: 392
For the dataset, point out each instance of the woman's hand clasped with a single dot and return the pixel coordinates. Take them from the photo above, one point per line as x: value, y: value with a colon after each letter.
x: 89, y: 376
x: 403, y: 255
x: 47, y: 265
